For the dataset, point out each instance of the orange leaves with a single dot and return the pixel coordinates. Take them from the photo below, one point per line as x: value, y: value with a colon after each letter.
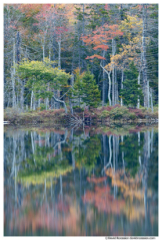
x: 108, y: 31
x: 107, y: 8
x: 29, y: 9
x: 96, y: 180
x: 103, y: 200
x: 103, y: 47
x: 101, y: 197
x: 100, y: 37
x: 95, y: 56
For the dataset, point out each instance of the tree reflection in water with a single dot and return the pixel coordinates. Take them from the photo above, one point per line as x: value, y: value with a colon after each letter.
x: 63, y: 182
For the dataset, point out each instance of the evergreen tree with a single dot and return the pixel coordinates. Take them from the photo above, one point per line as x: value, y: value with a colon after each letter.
x: 77, y: 90
x: 132, y: 89
x: 91, y: 94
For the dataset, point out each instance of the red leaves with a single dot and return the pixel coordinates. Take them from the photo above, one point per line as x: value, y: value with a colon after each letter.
x: 100, y: 37
x: 95, y: 56
x: 103, y: 200
x: 60, y: 30
x: 103, y: 47
x: 107, y: 7
x: 96, y: 180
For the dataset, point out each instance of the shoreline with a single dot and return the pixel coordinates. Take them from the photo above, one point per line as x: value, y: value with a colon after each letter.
x: 105, y: 115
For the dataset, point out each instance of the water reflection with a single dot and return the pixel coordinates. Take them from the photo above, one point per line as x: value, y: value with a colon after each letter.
x: 84, y: 182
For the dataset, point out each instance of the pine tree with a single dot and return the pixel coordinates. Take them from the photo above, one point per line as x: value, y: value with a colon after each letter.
x: 91, y: 94
x: 132, y: 89
x: 77, y: 90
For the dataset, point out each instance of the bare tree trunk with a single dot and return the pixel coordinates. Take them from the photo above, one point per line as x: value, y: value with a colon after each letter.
x: 60, y: 101
x: 148, y: 94
x: 144, y: 67
x: 53, y: 47
x: 18, y: 47
x: 109, y: 90
x: 103, y: 83
x: 83, y: 41
x: 116, y: 87
x: 59, y: 55
x: 13, y: 77
x: 34, y: 107
x: 22, y: 95
x: 72, y: 83
x: 138, y: 103
x: 113, y: 73
x: 122, y: 78
x: 47, y: 99
x: 151, y: 100
x: 31, y: 100
x: 39, y: 100
x: 13, y: 89
x: 49, y: 52
x: 43, y: 52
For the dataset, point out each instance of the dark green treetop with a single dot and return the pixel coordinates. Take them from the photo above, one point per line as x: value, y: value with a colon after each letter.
x: 132, y: 90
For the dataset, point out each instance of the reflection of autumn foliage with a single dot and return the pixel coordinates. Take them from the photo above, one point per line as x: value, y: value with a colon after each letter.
x: 129, y: 186
x: 103, y: 200
x: 62, y: 217
x: 132, y: 191
x: 63, y: 207
x: 96, y: 180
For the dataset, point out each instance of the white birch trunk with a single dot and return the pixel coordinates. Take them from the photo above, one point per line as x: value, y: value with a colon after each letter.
x: 22, y: 96
x: 122, y: 86
x: 138, y: 103
x: 113, y: 73
x: 59, y: 55
x: 13, y: 77
x: 151, y: 100
x: 31, y: 100
x: 109, y: 78
x: 148, y: 93
x: 43, y: 52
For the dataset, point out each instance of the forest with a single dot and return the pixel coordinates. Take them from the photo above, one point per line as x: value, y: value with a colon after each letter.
x: 80, y: 120
x: 80, y: 56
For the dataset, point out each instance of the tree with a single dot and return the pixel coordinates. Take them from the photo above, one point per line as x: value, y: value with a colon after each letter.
x: 99, y: 39
x: 77, y: 90
x: 132, y: 90
x: 42, y: 79
x: 108, y: 37
x: 91, y: 94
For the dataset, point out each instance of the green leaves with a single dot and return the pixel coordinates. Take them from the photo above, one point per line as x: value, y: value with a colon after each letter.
x: 41, y: 77
x: 91, y: 94
x: 86, y: 89
x: 132, y: 90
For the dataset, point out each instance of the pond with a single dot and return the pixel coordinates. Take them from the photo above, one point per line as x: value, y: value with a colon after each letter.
x: 81, y: 182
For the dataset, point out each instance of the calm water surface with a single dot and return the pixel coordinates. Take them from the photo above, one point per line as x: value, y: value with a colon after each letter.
x: 73, y: 182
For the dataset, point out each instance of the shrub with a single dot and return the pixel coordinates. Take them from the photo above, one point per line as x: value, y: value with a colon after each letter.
x: 143, y: 109
x: 78, y: 109
x: 132, y: 115
x: 42, y: 106
x: 118, y: 112
x: 138, y: 112
x: 105, y: 113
